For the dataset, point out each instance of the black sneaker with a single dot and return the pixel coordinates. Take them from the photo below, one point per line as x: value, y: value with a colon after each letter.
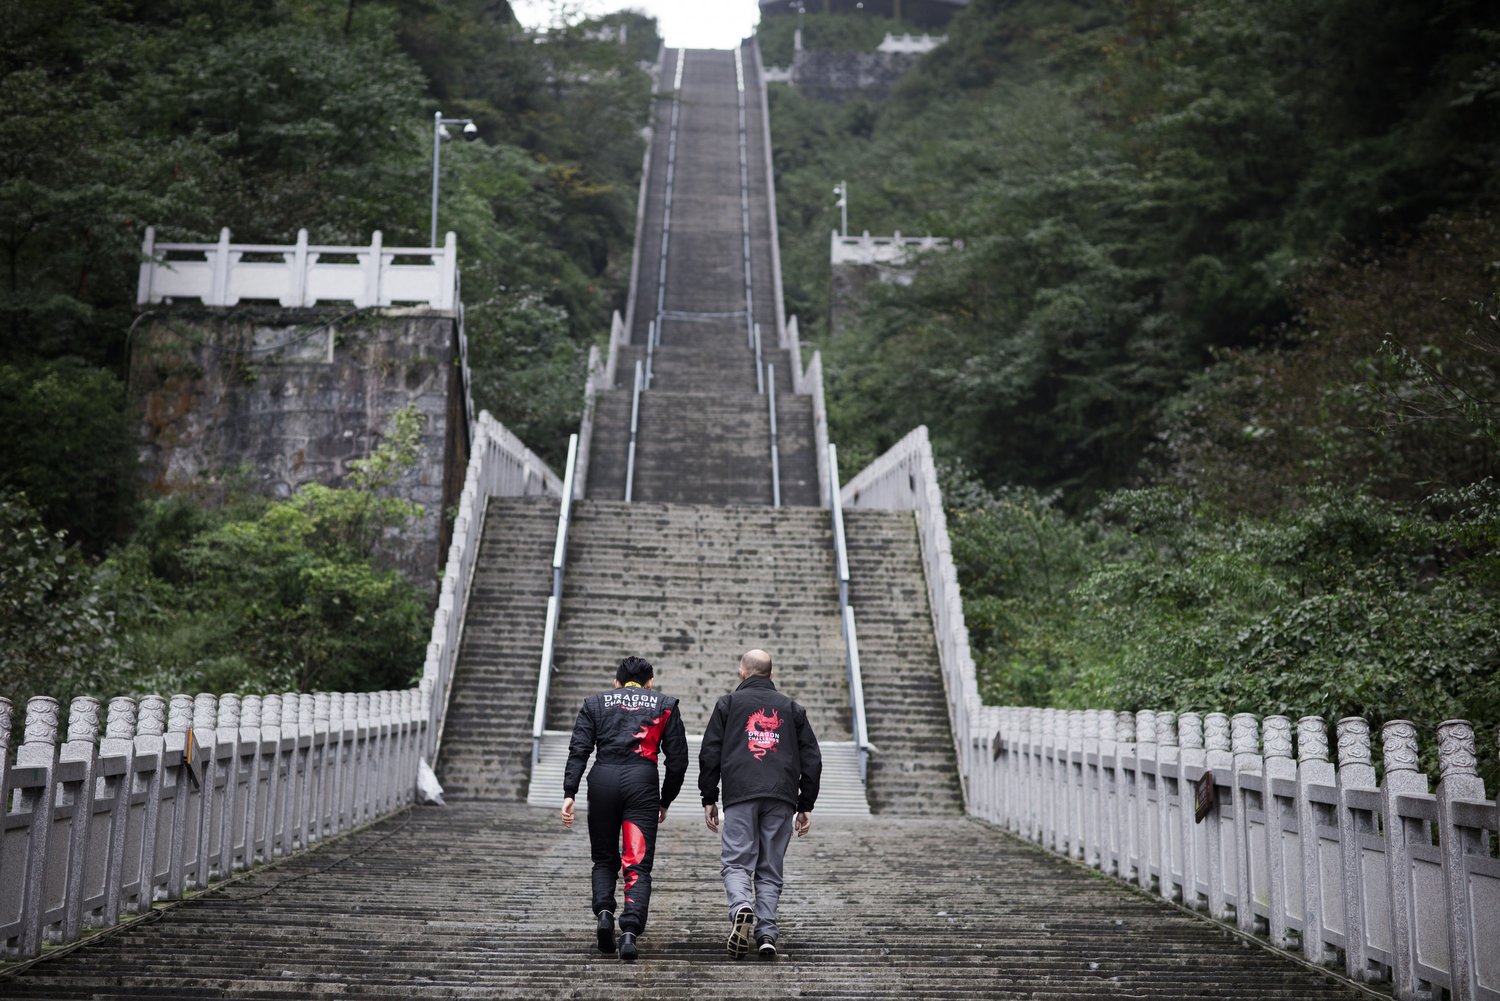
x: 767, y: 947
x: 739, y: 933
x: 628, y: 951
x: 606, y: 932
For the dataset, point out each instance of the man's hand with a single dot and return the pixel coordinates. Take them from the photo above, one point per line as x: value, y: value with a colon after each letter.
x: 802, y: 824
x: 661, y: 815
x: 711, y: 816
x: 567, y: 812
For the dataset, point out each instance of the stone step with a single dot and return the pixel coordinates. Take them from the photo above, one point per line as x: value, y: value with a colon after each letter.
x: 486, y: 900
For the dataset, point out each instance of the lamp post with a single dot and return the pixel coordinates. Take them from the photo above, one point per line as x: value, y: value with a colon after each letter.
x: 842, y: 190
x: 439, y: 133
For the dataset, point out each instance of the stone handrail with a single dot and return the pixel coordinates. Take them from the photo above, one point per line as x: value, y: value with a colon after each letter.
x: 1303, y: 847
x: 185, y: 791
x: 217, y: 274
x: 1396, y: 882
x: 867, y: 249
x: 909, y: 44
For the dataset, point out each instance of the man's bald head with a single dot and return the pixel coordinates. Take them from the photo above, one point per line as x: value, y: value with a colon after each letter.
x: 755, y: 664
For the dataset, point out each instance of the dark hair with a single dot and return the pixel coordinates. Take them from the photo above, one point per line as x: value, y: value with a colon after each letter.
x: 637, y: 669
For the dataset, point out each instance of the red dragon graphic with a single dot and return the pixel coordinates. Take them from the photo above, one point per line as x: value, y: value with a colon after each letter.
x: 761, y: 729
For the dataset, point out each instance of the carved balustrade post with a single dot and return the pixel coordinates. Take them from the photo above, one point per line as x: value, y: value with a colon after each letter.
x: 1169, y: 799
x: 1192, y: 835
x: 34, y: 778
x: 1283, y: 865
x: 273, y: 760
x: 307, y: 777
x: 117, y: 767
x: 145, y: 803
x: 1317, y: 808
x: 1402, y: 778
x: 1093, y: 790
x: 1125, y: 795
x: 1109, y: 814
x: 1072, y: 723
x: 1248, y: 801
x: 211, y: 788
x: 258, y: 771
x: 1358, y: 802
x: 295, y: 773
x: 81, y: 754
x: 1462, y: 842
x: 1223, y: 891
x: 182, y: 805
x: 1147, y: 793
x: 324, y: 763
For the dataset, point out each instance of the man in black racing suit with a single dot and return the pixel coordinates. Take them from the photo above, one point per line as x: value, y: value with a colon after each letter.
x: 632, y: 725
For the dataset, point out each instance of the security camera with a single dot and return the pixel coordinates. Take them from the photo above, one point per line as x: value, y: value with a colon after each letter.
x: 471, y: 131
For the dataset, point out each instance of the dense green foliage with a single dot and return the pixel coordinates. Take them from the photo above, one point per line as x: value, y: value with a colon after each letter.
x: 1214, y: 372
x: 267, y: 117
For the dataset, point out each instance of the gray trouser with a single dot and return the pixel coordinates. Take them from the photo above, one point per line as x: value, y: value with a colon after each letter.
x: 756, y: 833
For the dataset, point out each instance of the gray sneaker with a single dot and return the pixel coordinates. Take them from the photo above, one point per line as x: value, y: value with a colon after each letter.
x: 739, y: 933
x: 767, y: 947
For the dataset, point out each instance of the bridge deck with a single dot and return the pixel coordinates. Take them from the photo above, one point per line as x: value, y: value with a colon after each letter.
x: 490, y: 900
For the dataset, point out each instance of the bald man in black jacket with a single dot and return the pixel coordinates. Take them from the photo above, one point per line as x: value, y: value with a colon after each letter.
x: 759, y: 743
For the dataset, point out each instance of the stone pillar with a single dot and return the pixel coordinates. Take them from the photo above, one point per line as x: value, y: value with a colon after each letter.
x: 83, y: 734
x: 257, y: 782
x: 1248, y: 788
x: 1193, y: 836
x: 118, y: 746
x: 321, y: 785
x: 1399, y: 743
x: 1125, y: 794
x: 206, y: 754
x: 230, y: 827
x: 38, y: 757
x: 184, y: 812
x: 1356, y: 776
x: 1147, y: 794
x: 1168, y: 798
x: 1280, y: 802
x: 1223, y: 893
x: 1458, y: 781
x: 273, y: 763
x: 1314, y: 773
x: 1093, y: 790
x: 150, y: 745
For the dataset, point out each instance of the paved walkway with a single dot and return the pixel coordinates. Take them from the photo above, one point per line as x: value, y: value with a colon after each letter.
x: 489, y: 900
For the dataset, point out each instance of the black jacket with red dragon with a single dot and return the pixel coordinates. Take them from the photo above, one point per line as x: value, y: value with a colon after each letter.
x: 630, y: 724
x: 761, y: 745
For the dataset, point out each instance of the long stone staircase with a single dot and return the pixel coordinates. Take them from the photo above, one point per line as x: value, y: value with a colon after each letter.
x: 893, y: 895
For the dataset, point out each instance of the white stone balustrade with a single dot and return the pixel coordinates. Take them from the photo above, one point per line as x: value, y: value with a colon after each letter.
x: 178, y: 794
x: 909, y: 44
x: 890, y: 250
x: 217, y: 274
x: 1313, y: 849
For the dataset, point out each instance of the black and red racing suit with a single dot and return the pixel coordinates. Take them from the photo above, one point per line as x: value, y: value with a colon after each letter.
x: 632, y: 727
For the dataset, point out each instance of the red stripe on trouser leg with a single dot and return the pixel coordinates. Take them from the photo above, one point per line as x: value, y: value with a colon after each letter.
x: 632, y: 851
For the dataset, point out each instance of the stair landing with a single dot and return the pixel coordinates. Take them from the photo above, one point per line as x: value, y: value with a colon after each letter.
x: 480, y: 900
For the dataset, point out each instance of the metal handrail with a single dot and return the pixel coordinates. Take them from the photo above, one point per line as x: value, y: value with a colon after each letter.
x: 635, y: 416
x: 650, y: 350
x: 760, y: 382
x: 846, y: 618
x: 775, y: 456
x: 554, y: 602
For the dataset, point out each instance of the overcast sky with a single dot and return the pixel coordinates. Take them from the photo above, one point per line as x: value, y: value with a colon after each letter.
x: 692, y: 24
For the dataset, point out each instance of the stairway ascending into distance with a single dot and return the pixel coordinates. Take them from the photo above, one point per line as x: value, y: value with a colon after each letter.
x: 894, y: 894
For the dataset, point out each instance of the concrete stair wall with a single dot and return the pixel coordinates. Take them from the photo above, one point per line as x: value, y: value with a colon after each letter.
x: 906, y: 709
x: 486, y: 750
